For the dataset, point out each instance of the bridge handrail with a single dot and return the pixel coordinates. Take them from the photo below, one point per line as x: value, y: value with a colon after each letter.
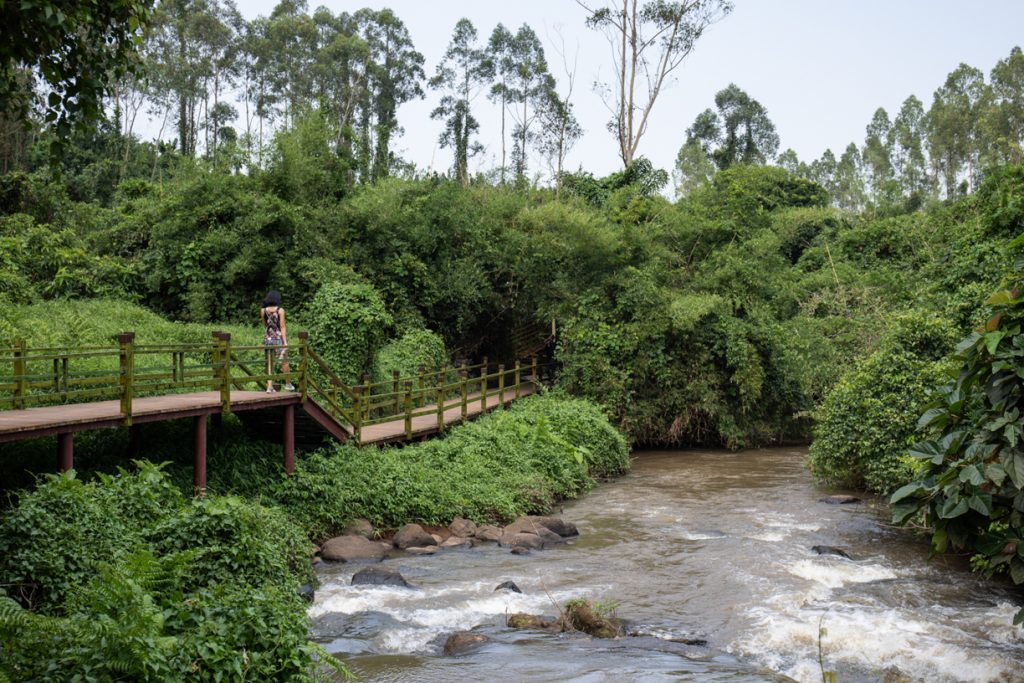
x: 46, y: 375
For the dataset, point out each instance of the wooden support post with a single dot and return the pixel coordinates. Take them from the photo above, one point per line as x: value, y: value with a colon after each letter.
x: 289, y: 438
x: 518, y: 376
x: 464, y: 390
x: 440, y: 401
x: 533, y: 371
x: 396, y: 390
x: 408, y: 409
x: 64, y: 378
x: 20, y: 372
x: 126, y: 342
x: 303, y: 364
x: 199, y: 454
x: 501, y: 384
x: 357, y: 412
x: 66, y: 451
x: 134, y: 441
x: 483, y: 386
x: 223, y: 343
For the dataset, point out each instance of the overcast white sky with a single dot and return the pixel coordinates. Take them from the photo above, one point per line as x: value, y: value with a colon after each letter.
x: 820, y: 67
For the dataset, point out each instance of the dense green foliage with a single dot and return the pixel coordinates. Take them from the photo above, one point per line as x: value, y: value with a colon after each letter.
x: 348, y: 323
x: 866, y: 422
x: 127, y: 578
x: 507, y: 464
x: 971, y: 487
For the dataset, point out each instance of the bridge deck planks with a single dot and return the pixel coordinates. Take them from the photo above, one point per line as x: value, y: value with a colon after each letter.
x: 16, y: 425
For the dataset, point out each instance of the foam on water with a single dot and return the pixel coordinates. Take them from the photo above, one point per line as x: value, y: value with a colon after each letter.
x: 425, y: 613
x: 837, y: 573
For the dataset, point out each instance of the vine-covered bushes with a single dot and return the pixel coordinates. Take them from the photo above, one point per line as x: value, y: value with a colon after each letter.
x: 408, y: 353
x: 868, y: 419
x: 506, y: 464
x: 122, y: 577
x: 347, y: 324
x: 970, y: 487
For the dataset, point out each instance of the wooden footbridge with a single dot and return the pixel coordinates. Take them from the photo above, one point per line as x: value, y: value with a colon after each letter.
x: 61, y: 391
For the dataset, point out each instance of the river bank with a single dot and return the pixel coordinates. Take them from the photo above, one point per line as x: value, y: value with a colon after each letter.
x: 691, y: 545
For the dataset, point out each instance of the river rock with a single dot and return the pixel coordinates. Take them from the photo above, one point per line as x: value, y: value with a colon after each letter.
x: 462, y: 527
x: 488, y: 532
x: 412, y: 535
x: 438, y: 538
x: 307, y: 592
x: 463, y: 642
x: 520, y: 620
x: 556, y: 525
x: 422, y: 550
x: 520, y: 550
x: 522, y: 540
x: 829, y: 550
x: 456, y: 542
x: 352, y: 549
x: 360, y: 527
x: 508, y: 586
x: 379, y: 576
x: 839, y: 499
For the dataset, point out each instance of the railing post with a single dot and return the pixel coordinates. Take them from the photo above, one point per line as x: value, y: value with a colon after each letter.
x: 20, y: 382
x: 422, y: 386
x: 408, y: 409
x: 395, y: 389
x: 464, y: 390
x: 357, y: 412
x: 518, y: 375
x: 440, y: 401
x: 483, y: 386
x: 533, y: 371
x: 64, y: 378
x: 126, y: 342
x: 501, y: 384
x: 303, y: 364
x: 224, y: 343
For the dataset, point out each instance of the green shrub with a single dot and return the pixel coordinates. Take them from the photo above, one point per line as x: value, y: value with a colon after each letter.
x: 868, y: 419
x: 496, y: 468
x: 413, y: 350
x: 347, y: 323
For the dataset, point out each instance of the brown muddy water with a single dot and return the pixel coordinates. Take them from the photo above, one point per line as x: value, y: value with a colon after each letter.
x: 690, y: 545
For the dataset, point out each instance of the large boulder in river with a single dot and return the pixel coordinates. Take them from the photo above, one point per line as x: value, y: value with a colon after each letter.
x: 488, y: 532
x: 520, y: 620
x: 462, y: 528
x: 353, y: 549
x: 508, y: 586
x: 532, y: 523
x: 463, y: 642
x: 360, y: 527
x: 379, y: 576
x: 456, y: 542
x: 522, y: 540
x: 412, y: 535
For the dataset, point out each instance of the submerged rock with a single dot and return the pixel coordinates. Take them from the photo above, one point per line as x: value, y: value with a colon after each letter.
x: 508, y: 586
x: 422, y: 550
x: 537, y: 621
x: 839, y: 499
x: 379, y: 576
x: 829, y: 550
x: 352, y: 549
x: 520, y: 550
x: 412, y: 535
x: 456, y: 542
x: 463, y: 642
x: 307, y: 592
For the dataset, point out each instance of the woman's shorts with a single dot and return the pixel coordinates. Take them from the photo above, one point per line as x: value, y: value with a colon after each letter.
x: 277, y: 348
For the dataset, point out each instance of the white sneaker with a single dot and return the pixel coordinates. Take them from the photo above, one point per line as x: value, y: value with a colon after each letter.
x: 271, y: 390
x: 289, y: 386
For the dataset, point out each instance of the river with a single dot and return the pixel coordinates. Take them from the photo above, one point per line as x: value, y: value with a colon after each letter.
x: 691, y: 545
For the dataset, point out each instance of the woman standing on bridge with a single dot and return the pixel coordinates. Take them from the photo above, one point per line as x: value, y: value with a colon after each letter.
x: 275, y: 337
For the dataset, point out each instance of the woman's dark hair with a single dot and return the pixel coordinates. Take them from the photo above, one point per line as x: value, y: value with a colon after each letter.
x: 273, y: 298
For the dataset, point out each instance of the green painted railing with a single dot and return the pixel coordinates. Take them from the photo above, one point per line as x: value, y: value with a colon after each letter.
x: 60, y: 375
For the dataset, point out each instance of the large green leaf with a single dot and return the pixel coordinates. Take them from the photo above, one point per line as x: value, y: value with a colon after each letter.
x: 928, y: 450
x: 953, y: 507
x: 972, y: 474
x: 981, y: 503
x: 906, y: 491
x: 1013, y: 463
